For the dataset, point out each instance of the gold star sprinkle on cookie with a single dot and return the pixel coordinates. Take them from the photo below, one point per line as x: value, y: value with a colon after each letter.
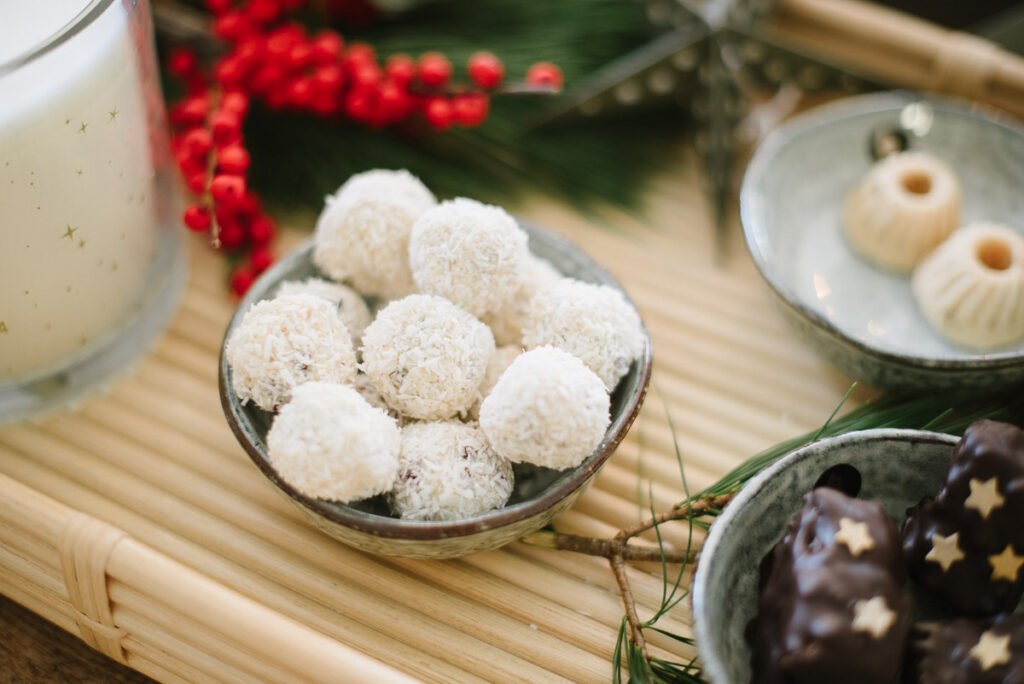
x: 855, y: 536
x: 945, y: 550
x: 873, y: 617
x: 3, y: 327
x: 70, y: 233
x: 113, y: 113
x: 81, y: 129
x: 1006, y: 565
x: 991, y: 650
x: 985, y: 496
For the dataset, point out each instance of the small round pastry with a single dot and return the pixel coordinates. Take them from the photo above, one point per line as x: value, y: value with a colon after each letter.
x: 907, y: 204
x: 547, y: 409
x: 284, y: 342
x: 362, y: 234
x: 593, y: 322
x: 501, y: 359
x: 350, y: 304
x: 328, y: 443
x: 507, y: 322
x: 469, y: 253
x: 971, y: 289
x: 427, y: 357
x: 447, y: 471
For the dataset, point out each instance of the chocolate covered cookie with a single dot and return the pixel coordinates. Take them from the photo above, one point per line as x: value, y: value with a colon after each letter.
x: 967, y: 544
x: 831, y: 606
x: 968, y: 651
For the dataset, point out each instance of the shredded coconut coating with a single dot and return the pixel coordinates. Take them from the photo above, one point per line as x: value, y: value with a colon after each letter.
x: 469, y: 253
x: 547, y: 409
x: 595, y: 323
x: 284, y: 342
x: 427, y: 357
x: 330, y: 444
x: 362, y: 234
x: 447, y: 471
x: 350, y: 304
x: 507, y: 322
x: 501, y: 359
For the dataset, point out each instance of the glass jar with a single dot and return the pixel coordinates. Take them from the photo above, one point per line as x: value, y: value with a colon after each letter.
x: 91, y: 261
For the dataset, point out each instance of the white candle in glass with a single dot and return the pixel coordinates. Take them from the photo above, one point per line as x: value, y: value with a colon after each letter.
x: 83, y: 198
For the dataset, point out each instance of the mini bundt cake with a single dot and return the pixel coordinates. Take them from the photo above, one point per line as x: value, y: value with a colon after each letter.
x: 971, y: 289
x: 906, y: 206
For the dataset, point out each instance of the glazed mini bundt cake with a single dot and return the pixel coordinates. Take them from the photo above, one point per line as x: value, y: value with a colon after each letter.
x: 905, y: 207
x: 971, y: 289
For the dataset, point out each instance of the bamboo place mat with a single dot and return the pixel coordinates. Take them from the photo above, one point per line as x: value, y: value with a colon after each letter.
x: 220, y: 580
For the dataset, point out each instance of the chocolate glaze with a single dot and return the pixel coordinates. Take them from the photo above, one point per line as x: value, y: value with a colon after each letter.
x: 810, y: 583
x: 988, y: 449
x: 940, y: 653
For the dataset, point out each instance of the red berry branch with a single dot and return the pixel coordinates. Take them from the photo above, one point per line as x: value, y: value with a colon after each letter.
x: 274, y: 60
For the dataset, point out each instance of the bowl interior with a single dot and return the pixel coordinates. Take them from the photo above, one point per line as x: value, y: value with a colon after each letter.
x: 792, y: 200
x: 897, y: 469
x: 536, y: 488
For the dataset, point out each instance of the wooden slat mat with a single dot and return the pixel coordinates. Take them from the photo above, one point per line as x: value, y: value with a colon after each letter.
x: 154, y: 458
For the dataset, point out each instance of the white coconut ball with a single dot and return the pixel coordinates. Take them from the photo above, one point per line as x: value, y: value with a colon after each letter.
x: 362, y: 234
x: 592, y: 322
x: 426, y: 356
x: 284, y: 342
x: 469, y: 253
x: 349, y: 303
x: 547, y: 409
x: 330, y: 444
x: 507, y: 322
x: 447, y: 471
x: 501, y: 359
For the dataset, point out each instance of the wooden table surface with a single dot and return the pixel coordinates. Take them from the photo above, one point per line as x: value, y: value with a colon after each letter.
x: 35, y: 651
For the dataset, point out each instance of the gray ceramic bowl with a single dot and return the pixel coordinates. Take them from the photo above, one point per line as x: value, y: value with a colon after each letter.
x: 897, y: 468
x: 539, y: 494
x: 863, y: 318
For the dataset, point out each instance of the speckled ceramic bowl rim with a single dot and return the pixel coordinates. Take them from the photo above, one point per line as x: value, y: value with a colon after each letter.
x: 395, y: 528
x: 711, y: 663
x: 753, y: 227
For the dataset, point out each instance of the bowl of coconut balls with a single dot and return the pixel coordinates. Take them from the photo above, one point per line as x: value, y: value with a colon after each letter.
x: 892, y: 229
x: 431, y: 379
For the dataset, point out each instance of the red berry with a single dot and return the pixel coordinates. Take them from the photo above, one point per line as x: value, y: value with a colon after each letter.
x: 218, y: 6
x: 250, y: 204
x: 232, y: 159
x: 324, y: 104
x: 327, y: 47
x: 196, y: 181
x: 300, y: 93
x: 470, y: 109
x: 232, y: 27
x: 361, y: 53
x: 231, y: 234
x: 242, y: 279
x: 263, y: 11
x: 197, y: 218
x: 230, y: 72
x: 401, y: 70
x: 299, y: 56
x: 486, y: 70
x: 545, y: 73
x: 268, y: 79
x: 393, y: 103
x: 439, y: 113
x: 182, y: 62
x: 190, y: 112
x: 361, y: 104
x: 261, y: 230
x: 226, y: 126
x: 260, y: 259
x: 366, y: 76
x: 434, y: 69
x: 328, y: 79
x: 197, y: 143
x: 227, y: 189
x: 236, y: 102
